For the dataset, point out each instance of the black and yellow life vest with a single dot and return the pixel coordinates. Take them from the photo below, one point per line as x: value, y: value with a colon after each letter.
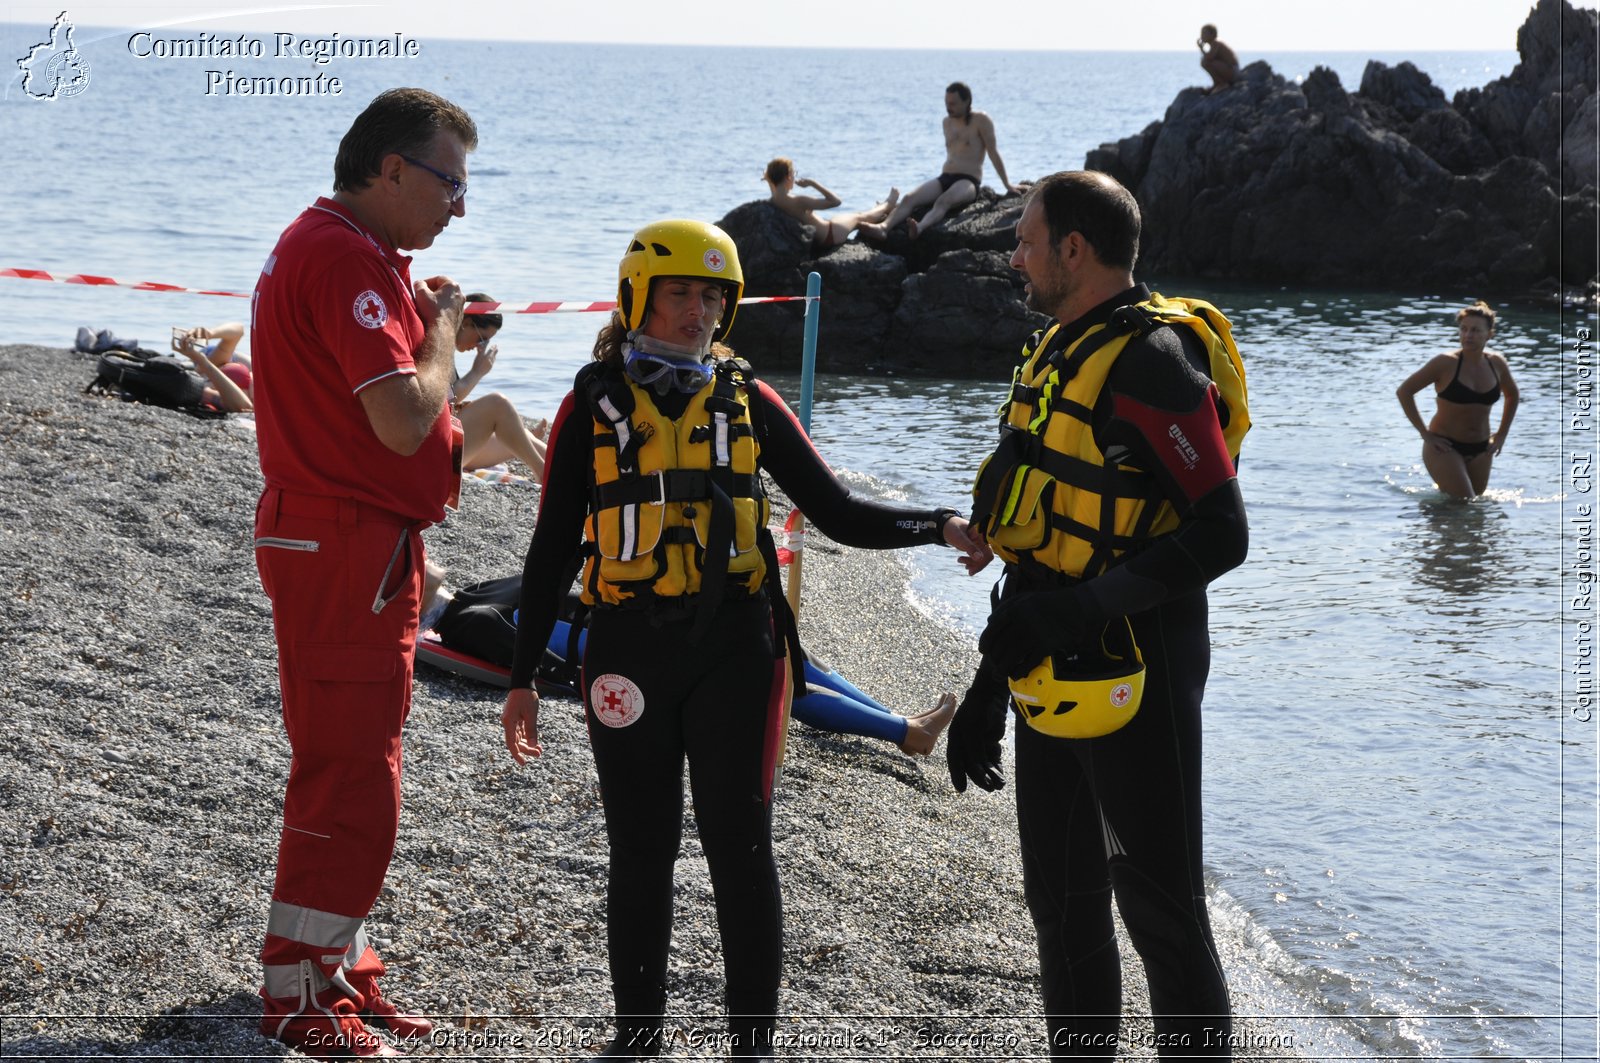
x: 676, y: 506
x: 1048, y: 499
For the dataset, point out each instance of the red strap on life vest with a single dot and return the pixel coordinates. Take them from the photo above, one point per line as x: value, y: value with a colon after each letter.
x: 1189, y: 445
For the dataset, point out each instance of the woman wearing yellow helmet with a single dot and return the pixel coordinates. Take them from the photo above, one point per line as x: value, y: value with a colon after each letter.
x: 655, y: 472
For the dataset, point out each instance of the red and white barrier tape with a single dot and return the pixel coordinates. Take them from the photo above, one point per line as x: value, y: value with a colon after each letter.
x: 110, y: 282
x: 567, y: 307
x: 591, y: 308
x: 793, y: 535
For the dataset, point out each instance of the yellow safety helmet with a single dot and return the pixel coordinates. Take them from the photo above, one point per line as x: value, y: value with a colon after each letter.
x: 1087, y: 695
x: 678, y: 248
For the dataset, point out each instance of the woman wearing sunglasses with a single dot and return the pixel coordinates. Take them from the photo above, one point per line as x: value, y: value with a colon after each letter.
x: 656, y: 459
x: 493, y: 430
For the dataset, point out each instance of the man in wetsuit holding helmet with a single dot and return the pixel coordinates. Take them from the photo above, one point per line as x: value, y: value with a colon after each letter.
x: 1112, y: 498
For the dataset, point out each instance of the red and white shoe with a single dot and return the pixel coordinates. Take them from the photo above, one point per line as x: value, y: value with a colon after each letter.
x: 378, y: 1008
x: 322, y: 1025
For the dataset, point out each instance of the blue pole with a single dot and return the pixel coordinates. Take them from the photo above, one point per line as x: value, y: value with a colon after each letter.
x: 808, y: 377
x: 808, y: 356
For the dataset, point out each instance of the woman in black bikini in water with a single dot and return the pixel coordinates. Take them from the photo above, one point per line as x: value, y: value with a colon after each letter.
x: 825, y: 232
x: 1457, y: 447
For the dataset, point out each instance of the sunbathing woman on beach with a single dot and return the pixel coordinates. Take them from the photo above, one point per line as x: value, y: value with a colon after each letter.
x: 226, y: 371
x: 825, y: 232
x: 1457, y: 447
x: 222, y: 342
x: 494, y: 430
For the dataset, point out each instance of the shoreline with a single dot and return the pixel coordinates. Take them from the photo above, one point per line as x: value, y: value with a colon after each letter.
x: 147, y: 775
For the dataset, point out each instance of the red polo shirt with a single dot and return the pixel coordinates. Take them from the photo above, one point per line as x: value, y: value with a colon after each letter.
x: 333, y: 313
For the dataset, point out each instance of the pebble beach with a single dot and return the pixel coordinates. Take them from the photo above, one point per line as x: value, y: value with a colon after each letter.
x: 144, y: 772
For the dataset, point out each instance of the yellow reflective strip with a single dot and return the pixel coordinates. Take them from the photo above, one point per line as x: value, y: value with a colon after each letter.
x: 1047, y: 394
x: 1015, y: 495
x: 1004, y: 412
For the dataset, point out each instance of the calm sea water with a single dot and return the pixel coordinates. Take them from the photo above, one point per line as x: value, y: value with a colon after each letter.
x: 1400, y: 838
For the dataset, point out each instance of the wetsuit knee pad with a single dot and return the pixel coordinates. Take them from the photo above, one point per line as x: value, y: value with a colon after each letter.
x: 1155, y: 919
x: 1084, y: 914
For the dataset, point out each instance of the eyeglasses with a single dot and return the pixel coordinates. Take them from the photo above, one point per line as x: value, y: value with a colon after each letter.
x: 458, y: 187
x: 687, y: 377
x: 483, y: 337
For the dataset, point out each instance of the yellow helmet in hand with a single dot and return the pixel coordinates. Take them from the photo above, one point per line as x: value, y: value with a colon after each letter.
x: 1087, y: 694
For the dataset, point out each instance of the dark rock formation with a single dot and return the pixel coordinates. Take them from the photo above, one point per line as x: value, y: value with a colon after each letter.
x: 1391, y: 185
x: 947, y: 304
x: 1270, y: 181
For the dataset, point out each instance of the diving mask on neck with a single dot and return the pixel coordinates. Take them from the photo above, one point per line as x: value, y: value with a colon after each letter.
x: 665, y: 366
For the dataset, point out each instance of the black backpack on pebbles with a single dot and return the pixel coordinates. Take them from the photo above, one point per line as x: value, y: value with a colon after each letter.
x: 146, y: 376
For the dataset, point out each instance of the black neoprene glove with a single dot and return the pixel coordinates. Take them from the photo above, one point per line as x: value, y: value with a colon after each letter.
x: 972, y: 748
x: 1026, y: 628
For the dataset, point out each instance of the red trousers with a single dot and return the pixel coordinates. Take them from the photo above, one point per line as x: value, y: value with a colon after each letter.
x: 345, y: 581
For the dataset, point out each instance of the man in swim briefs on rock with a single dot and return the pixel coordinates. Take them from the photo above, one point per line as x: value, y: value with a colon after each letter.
x: 968, y: 137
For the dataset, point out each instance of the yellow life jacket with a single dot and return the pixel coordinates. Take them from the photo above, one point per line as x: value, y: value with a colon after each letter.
x: 1047, y: 498
x: 676, y: 506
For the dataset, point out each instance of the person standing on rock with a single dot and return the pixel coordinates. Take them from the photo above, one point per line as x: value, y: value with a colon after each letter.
x: 968, y: 137
x: 1217, y: 59
x: 1113, y: 501
x: 352, y: 370
x: 655, y: 470
x: 1457, y: 446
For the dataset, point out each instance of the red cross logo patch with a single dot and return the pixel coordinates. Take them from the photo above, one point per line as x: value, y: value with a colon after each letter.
x: 617, y: 700
x: 715, y: 261
x: 370, y: 311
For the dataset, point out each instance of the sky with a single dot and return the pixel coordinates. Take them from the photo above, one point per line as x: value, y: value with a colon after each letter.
x: 1065, y: 25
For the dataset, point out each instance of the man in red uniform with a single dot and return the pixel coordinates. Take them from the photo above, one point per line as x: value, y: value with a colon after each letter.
x: 352, y: 366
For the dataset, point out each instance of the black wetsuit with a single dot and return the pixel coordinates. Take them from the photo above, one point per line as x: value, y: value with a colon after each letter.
x: 704, y: 700
x: 1122, y: 813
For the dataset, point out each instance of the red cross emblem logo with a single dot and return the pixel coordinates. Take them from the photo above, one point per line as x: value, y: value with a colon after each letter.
x: 370, y: 311
x: 616, y: 700
x: 714, y: 260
